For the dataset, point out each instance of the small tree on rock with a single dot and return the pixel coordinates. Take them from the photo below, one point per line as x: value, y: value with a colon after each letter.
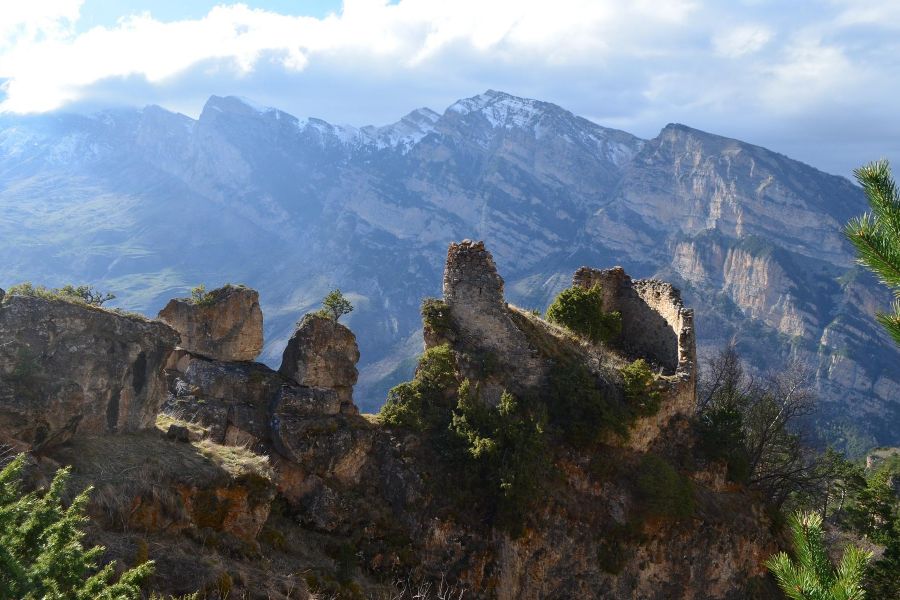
x: 335, y: 305
x: 87, y: 294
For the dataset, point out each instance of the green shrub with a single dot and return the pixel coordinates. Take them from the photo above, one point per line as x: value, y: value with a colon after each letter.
x: 663, y: 491
x: 424, y: 402
x: 640, y: 388
x: 507, y: 445
x: 437, y: 370
x: 581, y: 311
x: 578, y: 408
x: 82, y: 294
x: 436, y: 315
x: 41, y: 551
x: 403, y: 407
x: 475, y: 422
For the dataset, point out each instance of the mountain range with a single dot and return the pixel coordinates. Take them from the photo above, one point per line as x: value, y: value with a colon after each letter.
x: 147, y: 203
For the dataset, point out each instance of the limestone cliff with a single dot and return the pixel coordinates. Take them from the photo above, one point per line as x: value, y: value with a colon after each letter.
x: 268, y: 483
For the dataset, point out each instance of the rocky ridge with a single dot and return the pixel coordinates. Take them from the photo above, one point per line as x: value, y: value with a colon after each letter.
x: 264, y: 475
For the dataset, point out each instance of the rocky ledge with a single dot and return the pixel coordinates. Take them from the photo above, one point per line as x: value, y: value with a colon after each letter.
x: 68, y: 368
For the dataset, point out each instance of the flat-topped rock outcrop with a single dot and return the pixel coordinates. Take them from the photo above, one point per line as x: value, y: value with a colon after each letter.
x: 67, y: 369
x: 224, y: 324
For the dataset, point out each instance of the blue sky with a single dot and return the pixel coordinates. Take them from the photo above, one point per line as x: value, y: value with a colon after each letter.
x: 815, y: 79
x: 106, y: 13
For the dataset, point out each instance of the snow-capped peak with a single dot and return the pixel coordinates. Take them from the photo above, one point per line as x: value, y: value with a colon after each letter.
x: 405, y: 133
x: 501, y: 109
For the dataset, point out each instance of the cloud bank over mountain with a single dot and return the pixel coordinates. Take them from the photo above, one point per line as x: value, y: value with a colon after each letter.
x: 798, y: 78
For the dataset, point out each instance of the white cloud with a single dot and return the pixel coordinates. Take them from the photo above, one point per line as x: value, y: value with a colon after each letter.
x: 883, y: 13
x: 761, y: 69
x: 810, y: 73
x: 47, y: 71
x: 22, y: 21
x: 746, y: 39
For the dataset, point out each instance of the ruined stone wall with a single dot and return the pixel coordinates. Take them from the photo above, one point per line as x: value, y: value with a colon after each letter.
x: 657, y: 327
x: 655, y: 323
x: 473, y: 291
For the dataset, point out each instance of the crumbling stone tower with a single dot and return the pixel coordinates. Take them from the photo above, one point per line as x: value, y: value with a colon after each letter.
x: 655, y: 326
x: 473, y: 291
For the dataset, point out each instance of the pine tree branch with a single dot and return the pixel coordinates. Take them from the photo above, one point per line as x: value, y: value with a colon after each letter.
x: 875, y: 251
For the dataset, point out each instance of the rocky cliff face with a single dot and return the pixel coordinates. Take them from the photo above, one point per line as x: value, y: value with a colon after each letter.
x: 751, y: 237
x: 261, y: 477
x: 68, y: 369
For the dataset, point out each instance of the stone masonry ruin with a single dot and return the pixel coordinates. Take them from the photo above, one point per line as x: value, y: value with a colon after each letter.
x: 656, y: 326
x: 655, y: 323
x: 473, y: 291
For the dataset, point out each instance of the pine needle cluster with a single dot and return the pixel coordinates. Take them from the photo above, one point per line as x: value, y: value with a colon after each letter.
x: 876, y: 235
x: 811, y: 576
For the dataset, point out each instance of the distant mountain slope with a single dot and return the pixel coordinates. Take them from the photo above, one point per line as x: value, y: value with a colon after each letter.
x: 147, y: 203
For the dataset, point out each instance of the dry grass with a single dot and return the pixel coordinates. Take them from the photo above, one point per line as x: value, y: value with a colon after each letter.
x: 371, y: 418
x: 559, y: 344
x: 165, y: 420
x: 146, y: 465
x: 236, y: 460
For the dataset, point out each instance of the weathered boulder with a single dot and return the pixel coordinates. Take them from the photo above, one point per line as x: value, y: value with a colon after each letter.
x: 230, y: 399
x: 323, y: 353
x: 179, y: 433
x: 306, y: 429
x: 226, y: 324
x: 68, y: 368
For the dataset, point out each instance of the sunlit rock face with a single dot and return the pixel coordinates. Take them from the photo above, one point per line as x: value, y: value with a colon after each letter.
x: 323, y: 353
x: 70, y: 370
x: 226, y: 324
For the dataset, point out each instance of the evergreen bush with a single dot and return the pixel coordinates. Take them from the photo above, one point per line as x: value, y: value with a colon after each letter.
x: 640, y: 389
x: 581, y: 311
x: 41, y: 550
x: 663, y: 491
